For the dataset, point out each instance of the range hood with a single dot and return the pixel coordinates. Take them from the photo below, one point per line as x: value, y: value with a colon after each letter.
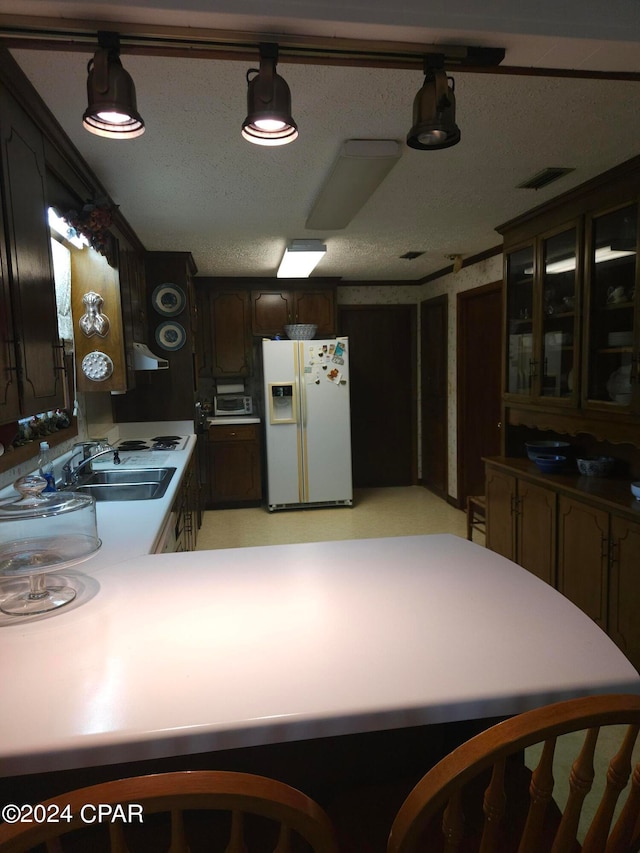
x: 144, y: 359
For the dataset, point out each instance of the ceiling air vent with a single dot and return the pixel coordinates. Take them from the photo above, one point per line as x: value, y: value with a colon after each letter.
x: 411, y: 256
x: 546, y: 176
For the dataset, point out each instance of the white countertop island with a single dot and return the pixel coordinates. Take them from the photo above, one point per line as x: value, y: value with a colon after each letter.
x: 174, y: 654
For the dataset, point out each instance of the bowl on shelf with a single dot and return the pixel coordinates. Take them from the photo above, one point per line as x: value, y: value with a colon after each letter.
x: 620, y: 339
x: 550, y: 463
x: 535, y: 448
x: 301, y: 331
x: 600, y: 466
x: 635, y: 490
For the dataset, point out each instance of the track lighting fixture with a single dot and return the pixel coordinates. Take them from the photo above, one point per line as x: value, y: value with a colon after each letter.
x: 434, y: 109
x: 112, y: 110
x: 268, y: 120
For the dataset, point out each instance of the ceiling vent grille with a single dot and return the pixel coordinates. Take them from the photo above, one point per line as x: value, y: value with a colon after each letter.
x: 411, y: 256
x: 546, y: 176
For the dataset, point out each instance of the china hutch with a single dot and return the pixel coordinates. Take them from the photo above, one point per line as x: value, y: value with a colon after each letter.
x: 571, y: 371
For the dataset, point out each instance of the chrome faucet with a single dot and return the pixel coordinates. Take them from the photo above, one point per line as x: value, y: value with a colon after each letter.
x: 71, y: 474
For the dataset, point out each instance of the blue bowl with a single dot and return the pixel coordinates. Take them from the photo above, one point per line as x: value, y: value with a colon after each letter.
x: 549, y: 463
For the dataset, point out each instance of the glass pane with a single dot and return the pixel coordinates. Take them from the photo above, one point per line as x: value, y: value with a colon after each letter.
x: 519, y: 319
x: 559, y: 318
x: 611, y: 332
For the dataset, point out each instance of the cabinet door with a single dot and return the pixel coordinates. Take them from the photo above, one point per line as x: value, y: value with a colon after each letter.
x: 557, y: 377
x: 271, y: 311
x: 29, y: 260
x: 583, y: 538
x: 500, y: 498
x: 624, y: 590
x: 9, y: 399
x: 536, y: 530
x: 234, y: 471
x: 611, y: 369
x: 520, y: 360
x: 317, y: 306
x: 230, y: 337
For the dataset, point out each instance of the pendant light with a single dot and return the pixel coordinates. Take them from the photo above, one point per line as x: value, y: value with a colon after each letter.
x: 434, y: 109
x: 112, y: 110
x: 268, y: 120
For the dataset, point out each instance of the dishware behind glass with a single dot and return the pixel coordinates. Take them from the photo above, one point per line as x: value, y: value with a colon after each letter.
x: 42, y: 533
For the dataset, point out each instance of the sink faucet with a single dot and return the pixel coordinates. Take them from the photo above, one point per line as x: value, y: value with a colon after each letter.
x: 71, y: 474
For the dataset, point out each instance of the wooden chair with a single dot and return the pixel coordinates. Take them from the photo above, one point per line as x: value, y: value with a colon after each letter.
x: 294, y: 821
x: 476, y: 511
x: 443, y: 812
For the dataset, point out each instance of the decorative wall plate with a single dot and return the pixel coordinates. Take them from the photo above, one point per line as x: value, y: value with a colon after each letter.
x: 170, y: 335
x: 168, y: 299
x: 97, y: 366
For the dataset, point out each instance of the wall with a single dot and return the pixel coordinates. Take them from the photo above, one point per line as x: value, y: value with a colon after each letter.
x: 475, y: 275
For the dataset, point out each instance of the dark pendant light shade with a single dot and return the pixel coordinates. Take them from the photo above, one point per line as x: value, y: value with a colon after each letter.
x: 268, y: 120
x: 434, y: 110
x: 112, y: 110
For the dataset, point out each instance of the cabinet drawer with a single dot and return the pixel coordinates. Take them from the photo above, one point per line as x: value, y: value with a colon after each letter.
x: 234, y: 432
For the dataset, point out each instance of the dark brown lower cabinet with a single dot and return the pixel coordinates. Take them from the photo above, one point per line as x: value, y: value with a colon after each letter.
x: 521, y: 523
x: 186, y: 509
x: 583, y: 557
x: 234, y: 464
x: 567, y: 531
x: 624, y: 587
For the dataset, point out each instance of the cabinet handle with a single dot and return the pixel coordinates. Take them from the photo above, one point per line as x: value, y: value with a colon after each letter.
x: 604, y: 548
x: 635, y: 369
x: 614, y: 555
x: 515, y: 505
x: 533, y: 368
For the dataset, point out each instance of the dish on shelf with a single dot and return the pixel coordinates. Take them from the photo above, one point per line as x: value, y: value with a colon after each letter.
x: 168, y: 299
x: 535, y: 448
x: 619, y: 385
x: 170, y: 335
x: 600, y: 466
x: 620, y: 339
x: 549, y: 463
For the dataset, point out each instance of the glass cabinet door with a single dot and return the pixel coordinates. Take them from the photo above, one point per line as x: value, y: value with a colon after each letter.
x: 611, y: 317
x: 520, y: 364
x: 559, y: 313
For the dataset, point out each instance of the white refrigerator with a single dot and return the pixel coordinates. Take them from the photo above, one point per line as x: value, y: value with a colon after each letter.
x: 308, y: 424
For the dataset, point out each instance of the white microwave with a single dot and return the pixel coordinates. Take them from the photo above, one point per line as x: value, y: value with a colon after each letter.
x: 232, y: 404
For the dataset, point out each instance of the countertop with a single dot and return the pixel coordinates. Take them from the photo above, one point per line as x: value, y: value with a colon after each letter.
x: 128, y: 529
x: 175, y: 654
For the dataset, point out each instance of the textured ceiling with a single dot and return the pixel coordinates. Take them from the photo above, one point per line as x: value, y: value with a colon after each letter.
x: 191, y: 183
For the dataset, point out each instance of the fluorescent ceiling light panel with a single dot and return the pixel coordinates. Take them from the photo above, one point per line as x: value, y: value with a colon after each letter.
x: 602, y: 255
x: 300, y: 258
x: 359, y: 170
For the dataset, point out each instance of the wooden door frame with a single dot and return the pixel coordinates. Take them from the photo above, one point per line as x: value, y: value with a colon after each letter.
x: 461, y: 374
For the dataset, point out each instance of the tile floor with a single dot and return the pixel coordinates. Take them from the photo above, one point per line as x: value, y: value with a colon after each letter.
x: 376, y: 513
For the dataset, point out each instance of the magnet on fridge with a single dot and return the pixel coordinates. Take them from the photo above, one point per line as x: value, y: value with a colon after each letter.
x: 340, y: 348
x: 334, y: 375
x: 332, y: 348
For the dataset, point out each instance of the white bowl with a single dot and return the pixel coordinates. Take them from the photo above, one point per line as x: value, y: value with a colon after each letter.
x: 301, y: 331
x: 635, y: 490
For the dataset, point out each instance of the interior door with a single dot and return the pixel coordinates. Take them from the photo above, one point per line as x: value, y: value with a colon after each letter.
x: 479, y: 340
x: 382, y: 347
x: 433, y: 339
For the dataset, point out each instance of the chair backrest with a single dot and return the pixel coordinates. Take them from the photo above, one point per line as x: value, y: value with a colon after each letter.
x: 122, y: 808
x: 444, y: 803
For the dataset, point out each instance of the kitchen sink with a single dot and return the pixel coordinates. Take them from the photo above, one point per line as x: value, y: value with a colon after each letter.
x: 132, y: 484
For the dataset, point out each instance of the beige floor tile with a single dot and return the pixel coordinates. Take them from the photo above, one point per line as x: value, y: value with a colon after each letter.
x: 403, y: 511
